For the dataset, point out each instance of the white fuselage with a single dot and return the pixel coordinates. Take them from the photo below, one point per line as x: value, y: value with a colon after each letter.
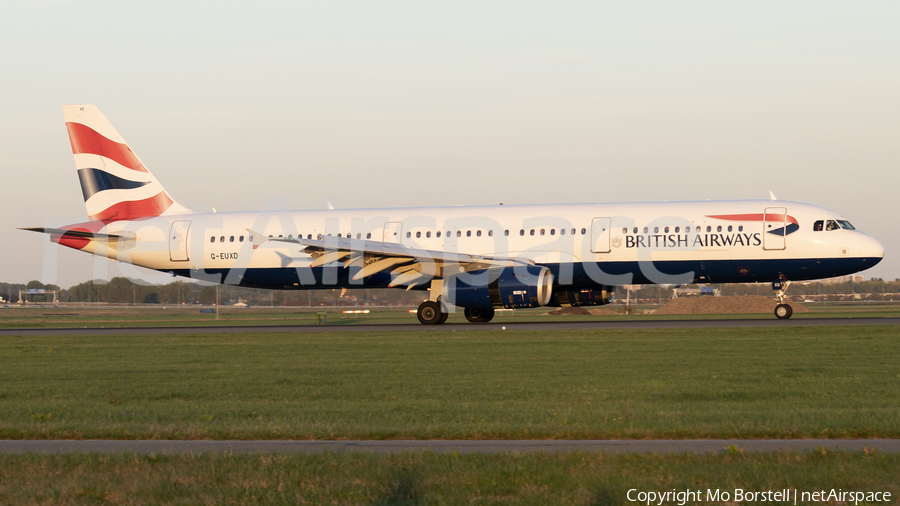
x: 584, y: 244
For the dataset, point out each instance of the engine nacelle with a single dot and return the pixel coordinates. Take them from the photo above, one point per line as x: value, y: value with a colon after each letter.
x: 599, y: 296
x: 510, y: 287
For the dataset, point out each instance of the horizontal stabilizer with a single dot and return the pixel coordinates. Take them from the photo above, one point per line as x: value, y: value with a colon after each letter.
x: 74, y: 233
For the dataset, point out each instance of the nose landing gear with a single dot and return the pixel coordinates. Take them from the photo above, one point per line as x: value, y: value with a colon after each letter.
x: 783, y: 311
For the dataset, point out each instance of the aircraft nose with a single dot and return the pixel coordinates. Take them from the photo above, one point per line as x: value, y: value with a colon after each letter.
x: 871, y: 248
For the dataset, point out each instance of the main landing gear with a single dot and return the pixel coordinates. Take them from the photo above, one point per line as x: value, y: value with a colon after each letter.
x: 479, y: 314
x: 431, y: 313
x: 783, y: 311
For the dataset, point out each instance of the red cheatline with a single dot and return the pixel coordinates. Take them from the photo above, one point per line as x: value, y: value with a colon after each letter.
x: 752, y: 217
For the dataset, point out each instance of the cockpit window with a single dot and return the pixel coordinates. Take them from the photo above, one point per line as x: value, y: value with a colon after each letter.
x: 832, y: 225
x: 818, y: 226
x: 846, y: 225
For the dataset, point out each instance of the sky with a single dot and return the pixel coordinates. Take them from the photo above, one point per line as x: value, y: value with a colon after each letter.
x: 246, y: 105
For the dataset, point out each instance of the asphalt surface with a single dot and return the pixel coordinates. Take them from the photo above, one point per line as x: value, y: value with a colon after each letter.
x: 698, y: 446
x: 496, y: 325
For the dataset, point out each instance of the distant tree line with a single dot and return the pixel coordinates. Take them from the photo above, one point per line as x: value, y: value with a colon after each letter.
x: 872, y: 289
x: 120, y: 290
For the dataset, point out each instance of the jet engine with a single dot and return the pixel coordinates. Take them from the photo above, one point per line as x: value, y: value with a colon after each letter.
x: 510, y: 287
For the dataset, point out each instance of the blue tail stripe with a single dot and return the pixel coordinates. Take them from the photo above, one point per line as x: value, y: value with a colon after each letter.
x: 96, y: 180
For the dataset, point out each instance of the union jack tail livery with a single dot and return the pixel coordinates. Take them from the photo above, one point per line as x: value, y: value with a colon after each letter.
x: 115, y: 184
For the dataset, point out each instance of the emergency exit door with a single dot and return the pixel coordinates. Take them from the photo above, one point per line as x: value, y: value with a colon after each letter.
x: 178, y: 240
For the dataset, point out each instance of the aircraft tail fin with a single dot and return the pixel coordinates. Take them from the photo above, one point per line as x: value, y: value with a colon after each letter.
x: 114, y: 182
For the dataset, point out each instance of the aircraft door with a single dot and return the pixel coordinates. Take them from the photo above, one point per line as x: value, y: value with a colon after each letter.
x: 178, y: 240
x: 600, y: 229
x: 393, y: 231
x: 774, y: 228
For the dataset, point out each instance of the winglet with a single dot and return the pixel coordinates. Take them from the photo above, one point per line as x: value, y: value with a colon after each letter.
x: 772, y: 196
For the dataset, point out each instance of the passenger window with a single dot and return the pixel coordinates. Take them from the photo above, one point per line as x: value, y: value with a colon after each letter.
x: 368, y: 235
x: 213, y: 238
x: 832, y: 225
x: 740, y: 228
x: 478, y: 233
x: 459, y: 233
x: 408, y: 235
x: 625, y: 230
x: 552, y: 231
x: 250, y: 238
x: 635, y: 230
x: 542, y: 231
x: 677, y: 229
x: 490, y: 233
x: 708, y: 228
x: 418, y: 235
x: 583, y: 231
x: 468, y: 233
x: 506, y: 232
x: 309, y: 236
x: 573, y: 231
x: 532, y: 231
x: 562, y: 231
x: 719, y: 228
x: 358, y: 235
x: 667, y: 230
x: 655, y: 230
x: 428, y: 234
x: 522, y: 232
x: 729, y: 228
x: 222, y: 239
x: 646, y: 230
x: 438, y: 234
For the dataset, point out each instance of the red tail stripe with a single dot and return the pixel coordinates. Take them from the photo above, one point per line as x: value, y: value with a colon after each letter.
x: 753, y: 217
x: 129, y: 210
x: 84, y: 139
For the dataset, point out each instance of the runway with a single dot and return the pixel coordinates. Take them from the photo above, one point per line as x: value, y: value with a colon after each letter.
x: 415, y: 327
x: 698, y: 446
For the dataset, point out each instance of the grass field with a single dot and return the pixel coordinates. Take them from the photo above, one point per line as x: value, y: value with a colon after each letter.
x: 166, y: 316
x: 417, y: 478
x: 483, y: 383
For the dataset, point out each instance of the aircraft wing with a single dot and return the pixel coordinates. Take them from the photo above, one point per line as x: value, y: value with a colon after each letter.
x: 409, y: 266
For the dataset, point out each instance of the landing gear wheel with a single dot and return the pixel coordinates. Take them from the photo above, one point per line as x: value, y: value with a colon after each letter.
x: 783, y: 311
x: 479, y: 314
x: 444, y: 317
x: 429, y: 313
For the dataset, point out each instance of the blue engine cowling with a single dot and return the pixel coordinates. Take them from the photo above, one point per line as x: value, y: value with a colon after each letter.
x: 511, y: 287
x: 599, y: 296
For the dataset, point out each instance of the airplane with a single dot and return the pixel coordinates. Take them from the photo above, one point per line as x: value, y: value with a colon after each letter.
x: 474, y: 258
